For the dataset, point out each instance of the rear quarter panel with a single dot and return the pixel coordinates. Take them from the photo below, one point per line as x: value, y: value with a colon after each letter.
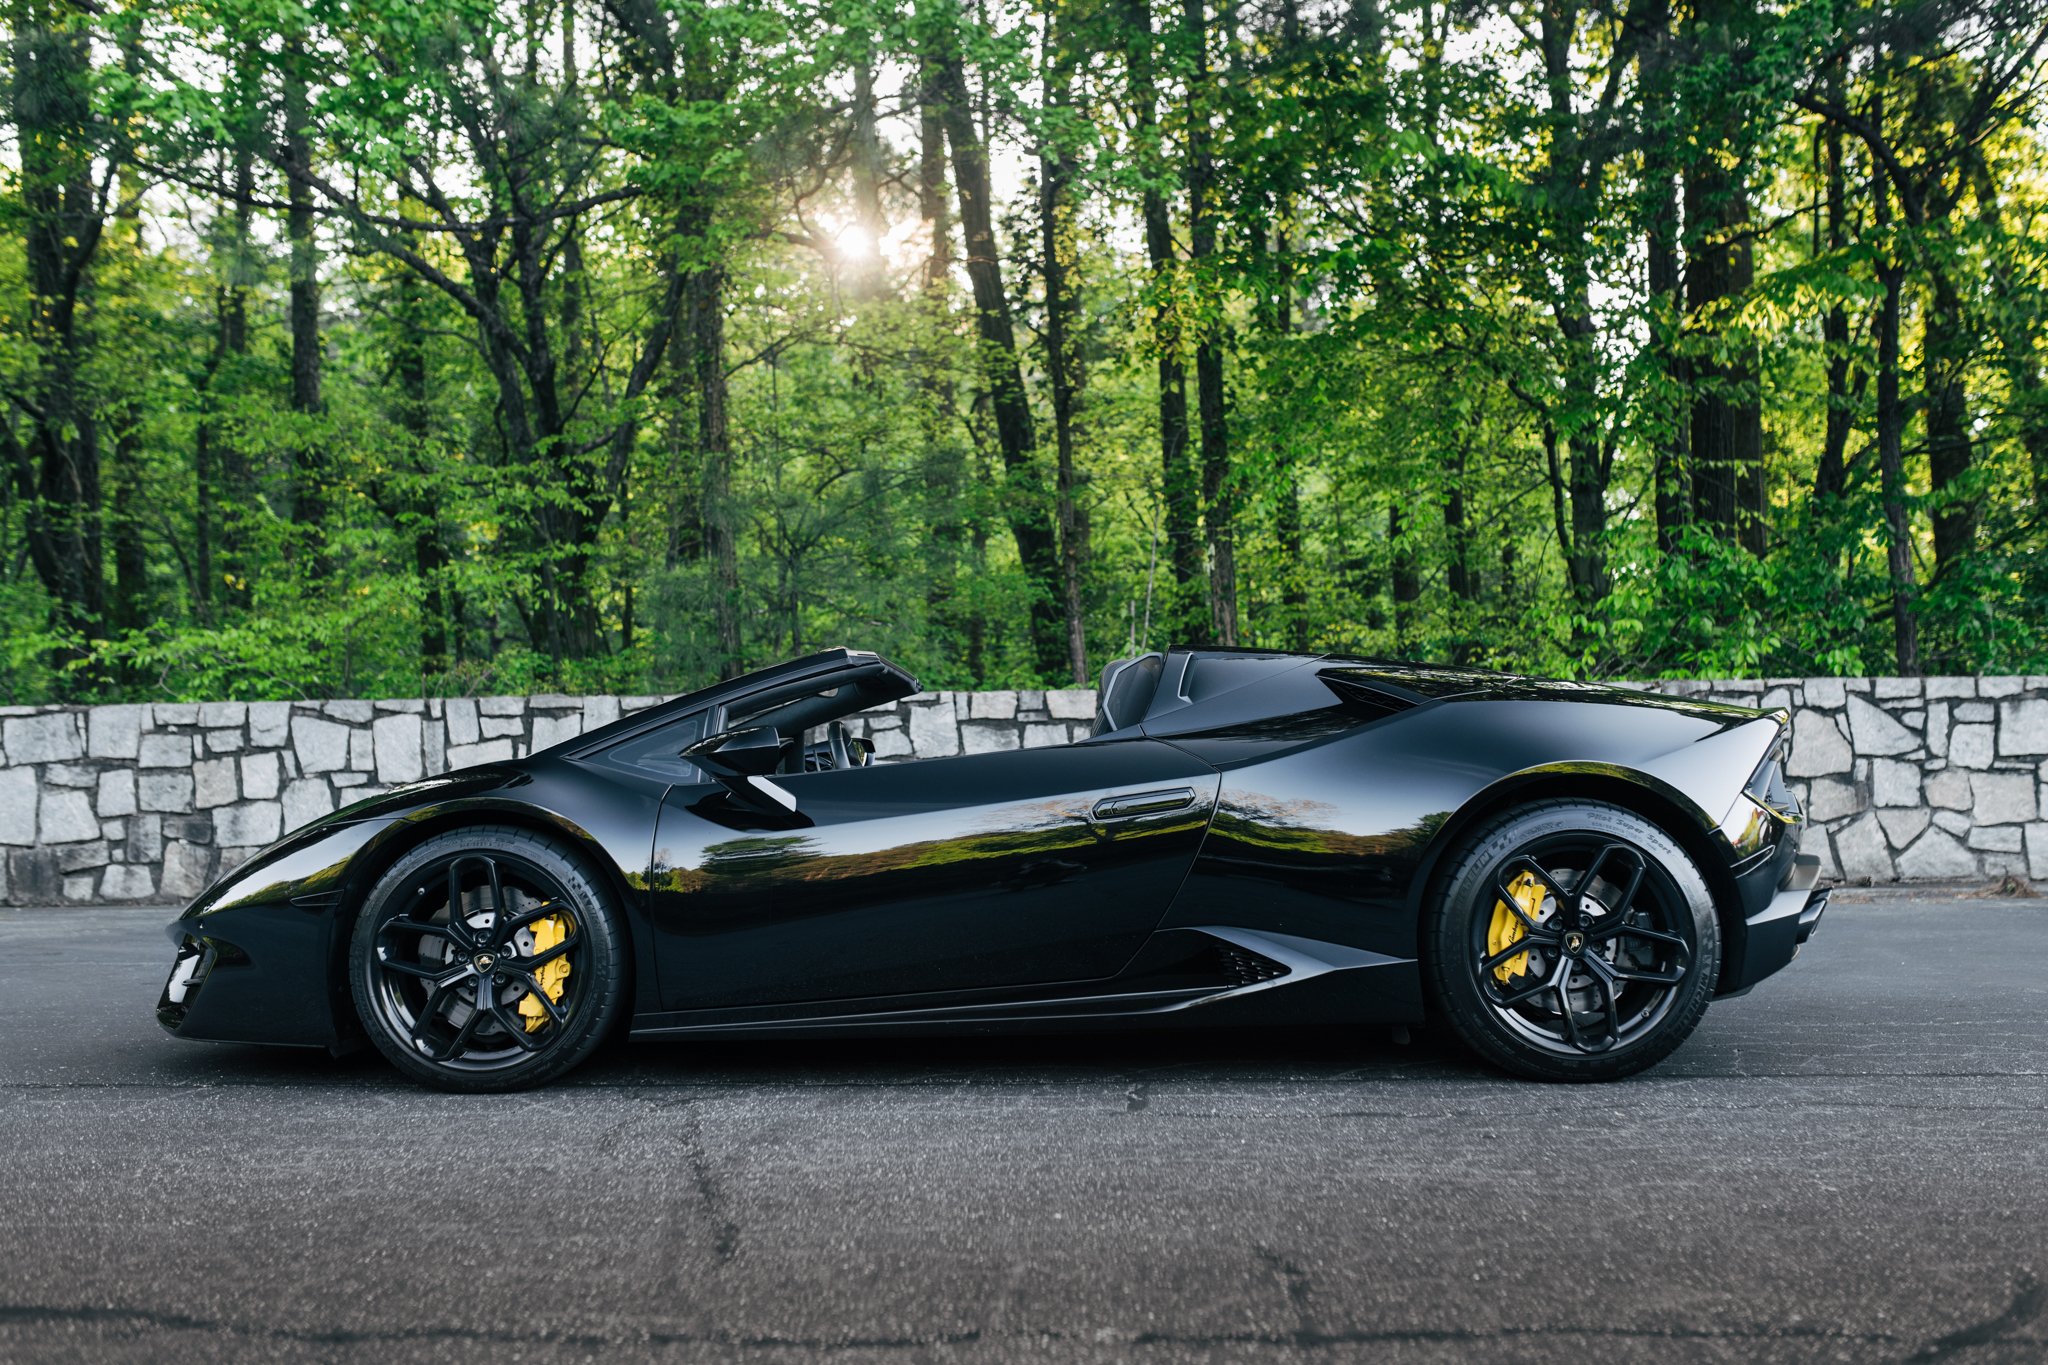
x: 1329, y: 828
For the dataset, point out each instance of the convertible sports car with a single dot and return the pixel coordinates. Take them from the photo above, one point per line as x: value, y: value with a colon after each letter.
x: 1563, y: 874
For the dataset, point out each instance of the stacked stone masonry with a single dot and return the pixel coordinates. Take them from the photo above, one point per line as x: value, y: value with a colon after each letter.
x: 1904, y: 778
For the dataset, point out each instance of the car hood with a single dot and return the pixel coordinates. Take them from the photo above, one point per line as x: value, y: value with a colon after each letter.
x: 398, y: 800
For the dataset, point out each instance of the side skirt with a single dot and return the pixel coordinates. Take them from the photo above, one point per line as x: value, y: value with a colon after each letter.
x: 1253, y: 978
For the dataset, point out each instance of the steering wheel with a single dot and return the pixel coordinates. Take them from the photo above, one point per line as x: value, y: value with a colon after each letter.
x: 835, y: 741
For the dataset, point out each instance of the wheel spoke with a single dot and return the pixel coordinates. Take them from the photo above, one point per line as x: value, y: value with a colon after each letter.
x: 1654, y: 935
x: 420, y: 969
x: 1520, y: 945
x: 543, y: 958
x: 1619, y: 910
x: 1560, y: 984
x: 511, y: 1023
x: 532, y: 914
x: 1514, y: 906
x: 419, y: 926
x: 1520, y: 997
x: 1528, y: 993
x: 1602, y: 973
x: 1524, y: 862
x: 460, y: 1041
x: 547, y: 1002
x: 458, y: 926
x: 1670, y: 978
x: 428, y: 1012
x: 495, y: 930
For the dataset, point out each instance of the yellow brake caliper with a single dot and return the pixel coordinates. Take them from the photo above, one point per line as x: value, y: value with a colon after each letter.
x: 547, y: 933
x: 1506, y: 930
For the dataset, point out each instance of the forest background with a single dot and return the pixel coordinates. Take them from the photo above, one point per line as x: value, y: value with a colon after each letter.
x: 403, y: 347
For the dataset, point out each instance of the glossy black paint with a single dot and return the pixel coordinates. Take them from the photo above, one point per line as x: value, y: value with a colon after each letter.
x: 1002, y: 873
x: 1257, y: 847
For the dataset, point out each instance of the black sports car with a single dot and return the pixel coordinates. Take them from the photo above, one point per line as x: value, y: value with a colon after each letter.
x: 1564, y: 874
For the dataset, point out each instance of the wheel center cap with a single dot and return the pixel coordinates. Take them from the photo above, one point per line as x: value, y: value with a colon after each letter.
x: 483, y: 962
x: 1574, y: 942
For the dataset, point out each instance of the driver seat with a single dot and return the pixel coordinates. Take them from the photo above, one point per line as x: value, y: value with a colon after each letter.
x: 1128, y: 686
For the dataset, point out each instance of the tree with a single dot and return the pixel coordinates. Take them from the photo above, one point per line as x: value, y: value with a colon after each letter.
x: 1016, y: 433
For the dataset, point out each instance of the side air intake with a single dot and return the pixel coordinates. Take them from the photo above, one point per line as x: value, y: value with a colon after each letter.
x: 1241, y: 968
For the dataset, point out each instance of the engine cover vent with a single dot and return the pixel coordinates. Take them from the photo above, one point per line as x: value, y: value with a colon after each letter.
x: 1366, y: 698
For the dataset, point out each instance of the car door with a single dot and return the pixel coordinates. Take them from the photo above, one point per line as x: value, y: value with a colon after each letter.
x: 986, y: 870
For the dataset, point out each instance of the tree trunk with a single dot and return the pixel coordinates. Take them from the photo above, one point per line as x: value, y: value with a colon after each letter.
x: 309, y: 485
x: 1664, y: 278
x: 1293, y: 580
x: 1944, y: 356
x: 714, y: 448
x: 1727, y: 412
x: 57, y: 468
x: 1572, y: 187
x: 1891, y: 461
x: 1831, y: 477
x: 864, y: 271
x: 931, y: 184
x: 1891, y: 439
x: 220, y: 465
x: 1219, y: 487
x: 1180, y: 488
x: 2027, y: 401
x: 131, y: 608
x: 946, y: 472
x: 1023, y: 500
x: 1458, y: 554
x: 421, y: 516
x: 1404, y: 577
x: 1062, y: 356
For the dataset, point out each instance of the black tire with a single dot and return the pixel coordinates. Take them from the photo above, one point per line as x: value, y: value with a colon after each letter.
x: 418, y: 971
x: 1615, y: 975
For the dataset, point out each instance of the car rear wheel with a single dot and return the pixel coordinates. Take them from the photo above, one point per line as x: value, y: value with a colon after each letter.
x: 1572, y: 941
x: 487, y: 959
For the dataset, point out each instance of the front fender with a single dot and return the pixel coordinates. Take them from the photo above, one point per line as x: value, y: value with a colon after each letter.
x: 265, y: 948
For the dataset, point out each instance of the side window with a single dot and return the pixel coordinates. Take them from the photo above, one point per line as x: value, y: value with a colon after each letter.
x: 659, y: 752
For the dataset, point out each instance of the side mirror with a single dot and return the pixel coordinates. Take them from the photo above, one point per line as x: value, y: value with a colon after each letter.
x: 753, y: 752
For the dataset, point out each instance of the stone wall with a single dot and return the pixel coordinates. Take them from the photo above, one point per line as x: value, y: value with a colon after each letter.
x: 1913, y: 779
x: 1905, y: 777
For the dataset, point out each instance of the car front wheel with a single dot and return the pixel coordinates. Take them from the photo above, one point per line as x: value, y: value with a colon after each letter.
x: 1572, y: 940
x: 487, y: 959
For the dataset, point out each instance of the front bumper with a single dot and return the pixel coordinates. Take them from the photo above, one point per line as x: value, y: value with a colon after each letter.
x: 1772, y: 936
x: 252, y: 974
x: 259, y: 953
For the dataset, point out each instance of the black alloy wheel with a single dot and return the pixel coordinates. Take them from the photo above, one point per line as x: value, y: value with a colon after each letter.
x: 1573, y: 941
x: 486, y: 959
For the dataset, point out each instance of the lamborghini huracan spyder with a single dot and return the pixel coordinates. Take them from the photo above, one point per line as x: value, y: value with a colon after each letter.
x: 1563, y: 874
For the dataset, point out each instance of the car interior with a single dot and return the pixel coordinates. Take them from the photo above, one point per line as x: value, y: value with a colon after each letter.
x: 811, y: 722
x: 818, y: 739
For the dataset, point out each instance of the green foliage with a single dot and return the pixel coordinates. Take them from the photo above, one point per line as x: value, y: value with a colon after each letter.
x: 1456, y: 406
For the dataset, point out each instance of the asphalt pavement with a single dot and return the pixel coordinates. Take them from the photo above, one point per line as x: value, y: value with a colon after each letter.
x: 1849, y: 1164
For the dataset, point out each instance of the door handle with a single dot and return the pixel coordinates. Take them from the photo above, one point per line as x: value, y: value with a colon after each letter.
x: 1127, y: 804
